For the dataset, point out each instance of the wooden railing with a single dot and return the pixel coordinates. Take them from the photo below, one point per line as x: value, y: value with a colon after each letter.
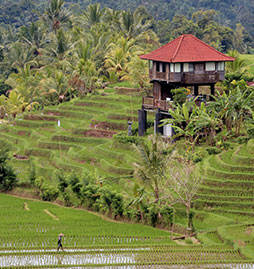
x: 153, y: 103
x: 188, y: 77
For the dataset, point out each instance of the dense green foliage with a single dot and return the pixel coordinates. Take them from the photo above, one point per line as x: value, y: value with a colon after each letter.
x: 7, y: 175
x: 229, y: 13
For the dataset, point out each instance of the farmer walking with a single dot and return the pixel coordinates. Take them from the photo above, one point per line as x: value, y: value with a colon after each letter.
x: 60, y: 242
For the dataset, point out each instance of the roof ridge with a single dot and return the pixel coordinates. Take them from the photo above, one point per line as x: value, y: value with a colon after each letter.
x: 162, y: 47
x: 178, y: 47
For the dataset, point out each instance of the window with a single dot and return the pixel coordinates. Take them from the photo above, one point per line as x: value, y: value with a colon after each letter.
x: 172, y: 68
x: 210, y: 66
x: 157, y: 67
x: 221, y: 66
x: 186, y: 67
x: 150, y: 65
x: 177, y: 68
x: 161, y: 67
x: 164, y: 67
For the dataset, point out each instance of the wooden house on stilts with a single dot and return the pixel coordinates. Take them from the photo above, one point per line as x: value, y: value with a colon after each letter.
x: 184, y: 62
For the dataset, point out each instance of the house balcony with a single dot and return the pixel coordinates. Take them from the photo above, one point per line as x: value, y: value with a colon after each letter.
x: 188, y: 77
x: 153, y: 103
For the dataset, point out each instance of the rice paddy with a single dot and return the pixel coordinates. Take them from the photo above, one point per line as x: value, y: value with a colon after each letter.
x: 29, y: 231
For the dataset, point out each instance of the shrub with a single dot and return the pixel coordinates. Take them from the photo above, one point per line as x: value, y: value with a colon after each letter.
x: 242, y: 140
x: 153, y: 215
x: 198, y: 156
x: 213, y: 150
x: 49, y: 192
x: 8, y: 178
x: 125, y: 139
x: 89, y: 194
x: 32, y: 174
x: 75, y: 184
x: 39, y: 182
x: 62, y: 182
x: 111, y: 201
x: 168, y: 215
x: 250, y: 132
x: 67, y: 199
x: 180, y: 95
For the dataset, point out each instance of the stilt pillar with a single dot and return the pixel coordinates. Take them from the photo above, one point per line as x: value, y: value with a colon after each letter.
x: 212, y: 91
x: 142, y: 122
x: 196, y: 90
x: 158, y: 118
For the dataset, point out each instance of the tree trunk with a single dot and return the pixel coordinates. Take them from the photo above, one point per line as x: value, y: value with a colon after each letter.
x: 189, y: 226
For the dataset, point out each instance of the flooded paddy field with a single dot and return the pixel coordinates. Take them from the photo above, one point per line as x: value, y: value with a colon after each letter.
x: 143, y: 257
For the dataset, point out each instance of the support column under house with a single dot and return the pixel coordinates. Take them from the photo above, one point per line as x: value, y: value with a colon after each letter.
x: 142, y: 122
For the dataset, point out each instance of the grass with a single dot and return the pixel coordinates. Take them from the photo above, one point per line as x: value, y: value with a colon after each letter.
x: 250, y: 62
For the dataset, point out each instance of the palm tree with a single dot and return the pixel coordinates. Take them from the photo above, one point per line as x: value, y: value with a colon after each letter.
x: 238, y: 65
x: 15, y: 104
x: 151, y: 168
x: 19, y: 55
x: 133, y: 24
x: 119, y: 54
x: 55, y: 15
x: 208, y: 122
x: 34, y: 35
x: 93, y: 15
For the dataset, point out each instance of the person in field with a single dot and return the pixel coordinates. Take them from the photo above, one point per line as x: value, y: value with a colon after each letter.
x: 60, y: 242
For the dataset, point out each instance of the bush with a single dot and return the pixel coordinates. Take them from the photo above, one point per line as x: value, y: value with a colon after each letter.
x: 62, y: 182
x: 153, y: 215
x: 213, y: 150
x: 125, y: 139
x: 168, y: 215
x: 75, y: 184
x: 198, y: 156
x: 32, y: 174
x: 8, y: 178
x: 48, y: 192
x: 89, y: 194
x: 242, y: 140
x: 250, y: 133
x: 180, y: 95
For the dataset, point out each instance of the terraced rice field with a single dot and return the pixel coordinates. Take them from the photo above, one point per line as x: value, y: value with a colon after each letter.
x: 29, y: 231
x: 82, y: 142
x: 228, y: 185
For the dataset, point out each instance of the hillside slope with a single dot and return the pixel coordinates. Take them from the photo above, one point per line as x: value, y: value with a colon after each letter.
x: 82, y: 142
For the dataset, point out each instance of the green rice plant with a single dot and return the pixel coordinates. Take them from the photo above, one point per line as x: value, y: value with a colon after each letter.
x: 34, y: 124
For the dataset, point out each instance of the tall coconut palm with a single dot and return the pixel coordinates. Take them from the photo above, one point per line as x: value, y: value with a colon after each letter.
x: 33, y: 34
x: 19, y: 55
x: 133, y: 24
x: 55, y: 15
x: 92, y: 15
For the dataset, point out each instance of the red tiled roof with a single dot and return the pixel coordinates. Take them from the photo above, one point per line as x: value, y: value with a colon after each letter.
x: 186, y: 48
